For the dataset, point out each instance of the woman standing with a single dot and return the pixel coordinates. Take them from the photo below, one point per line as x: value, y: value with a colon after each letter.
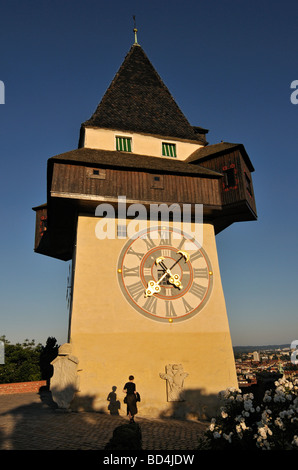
x: 131, y: 399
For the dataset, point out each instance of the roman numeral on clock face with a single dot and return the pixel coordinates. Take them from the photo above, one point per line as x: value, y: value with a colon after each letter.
x: 151, y: 304
x: 201, y: 272
x: 180, y: 246
x: 170, y: 311
x: 149, y: 243
x: 147, y: 271
x: 136, y: 290
x: 130, y: 271
x: 131, y: 251
x: 166, y: 253
x: 153, y: 259
x: 187, y: 307
x: 197, y: 290
x: 165, y: 237
x: 195, y: 256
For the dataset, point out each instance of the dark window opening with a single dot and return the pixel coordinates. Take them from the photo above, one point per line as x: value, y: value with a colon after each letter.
x: 97, y: 173
x: 229, y: 178
x: 157, y: 182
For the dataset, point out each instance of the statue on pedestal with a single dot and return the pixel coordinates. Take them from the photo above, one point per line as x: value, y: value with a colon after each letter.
x: 65, y: 381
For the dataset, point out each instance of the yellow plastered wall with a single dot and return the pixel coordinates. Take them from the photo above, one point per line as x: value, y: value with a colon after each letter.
x: 112, y: 340
x: 105, y: 139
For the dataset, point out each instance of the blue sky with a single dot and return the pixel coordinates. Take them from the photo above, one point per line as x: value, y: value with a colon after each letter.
x: 229, y: 65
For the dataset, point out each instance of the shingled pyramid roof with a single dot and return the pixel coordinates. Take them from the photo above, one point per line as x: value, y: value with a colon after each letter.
x: 138, y: 101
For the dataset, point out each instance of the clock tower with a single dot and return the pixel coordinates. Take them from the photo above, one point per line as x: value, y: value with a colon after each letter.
x: 147, y: 297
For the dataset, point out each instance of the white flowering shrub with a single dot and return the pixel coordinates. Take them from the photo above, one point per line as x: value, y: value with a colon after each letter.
x: 245, y: 424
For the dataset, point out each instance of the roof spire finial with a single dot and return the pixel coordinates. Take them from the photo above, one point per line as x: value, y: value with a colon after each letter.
x: 135, y: 29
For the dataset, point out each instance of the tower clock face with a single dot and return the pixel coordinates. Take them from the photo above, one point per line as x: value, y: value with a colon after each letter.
x: 165, y: 274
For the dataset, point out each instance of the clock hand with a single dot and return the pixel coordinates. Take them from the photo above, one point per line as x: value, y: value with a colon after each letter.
x: 154, y: 287
x: 174, y: 278
x: 161, y: 263
x: 184, y: 255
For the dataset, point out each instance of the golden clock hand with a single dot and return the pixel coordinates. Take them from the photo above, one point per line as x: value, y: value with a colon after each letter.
x: 174, y: 278
x: 184, y: 255
x: 153, y: 287
x: 159, y: 260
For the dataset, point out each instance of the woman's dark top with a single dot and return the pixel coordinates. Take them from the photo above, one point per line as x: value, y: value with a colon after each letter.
x: 130, y: 388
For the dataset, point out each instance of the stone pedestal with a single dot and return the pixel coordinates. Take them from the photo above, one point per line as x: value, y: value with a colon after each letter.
x: 64, y: 382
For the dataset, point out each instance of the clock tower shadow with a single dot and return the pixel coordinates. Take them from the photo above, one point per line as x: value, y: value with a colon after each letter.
x: 193, y: 404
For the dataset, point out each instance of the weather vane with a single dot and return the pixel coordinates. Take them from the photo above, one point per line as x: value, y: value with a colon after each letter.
x: 135, y: 29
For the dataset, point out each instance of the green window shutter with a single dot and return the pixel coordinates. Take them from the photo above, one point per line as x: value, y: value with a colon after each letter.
x: 168, y: 150
x: 123, y: 144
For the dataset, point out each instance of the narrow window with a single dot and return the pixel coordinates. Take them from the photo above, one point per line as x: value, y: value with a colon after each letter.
x: 230, y: 180
x: 229, y: 175
x: 123, y: 144
x: 168, y: 150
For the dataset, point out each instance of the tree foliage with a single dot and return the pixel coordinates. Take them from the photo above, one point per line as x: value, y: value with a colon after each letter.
x: 28, y: 361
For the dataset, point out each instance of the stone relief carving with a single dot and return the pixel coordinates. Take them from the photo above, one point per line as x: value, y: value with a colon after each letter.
x: 65, y: 381
x: 174, y: 376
